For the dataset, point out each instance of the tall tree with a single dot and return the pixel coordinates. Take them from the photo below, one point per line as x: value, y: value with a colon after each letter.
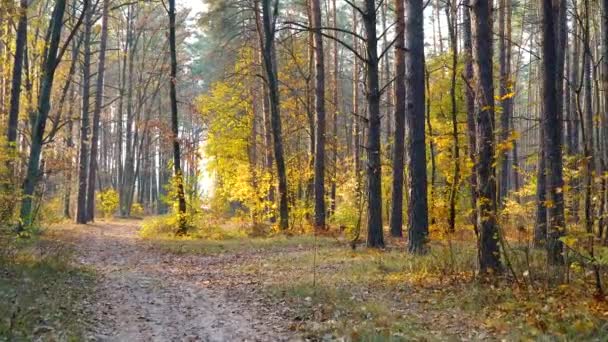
x: 375, y: 236
x: 319, y: 158
x: 505, y: 99
x: 51, y: 59
x: 553, y: 131
x: 396, y: 217
x: 270, y: 66
x: 470, y: 105
x: 181, y: 198
x: 489, y: 253
x: 81, y: 203
x: 20, y: 43
x: 99, y: 88
x: 415, y: 107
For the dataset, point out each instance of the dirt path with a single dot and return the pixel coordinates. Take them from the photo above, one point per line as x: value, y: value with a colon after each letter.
x: 145, y: 295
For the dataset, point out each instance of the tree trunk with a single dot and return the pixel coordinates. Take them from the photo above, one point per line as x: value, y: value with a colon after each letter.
x: 504, y: 58
x: 90, y: 209
x: 181, y: 199
x: 319, y: 185
x: 453, y: 30
x: 470, y: 105
x: 415, y: 103
x: 553, y: 131
x: 20, y: 43
x: 489, y: 254
x: 275, y: 115
x: 81, y: 204
x: 44, y: 105
x: 375, y: 238
x: 396, y: 217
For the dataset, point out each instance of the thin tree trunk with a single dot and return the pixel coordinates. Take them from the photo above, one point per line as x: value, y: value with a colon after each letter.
x: 396, y: 217
x: 181, y: 199
x: 81, y: 204
x: 90, y: 209
x: 275, y: 115
x: 319, y: 69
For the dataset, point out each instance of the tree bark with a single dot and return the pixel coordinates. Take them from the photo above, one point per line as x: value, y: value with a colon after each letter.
x: 275, y: 115
x: 489, y: 254
x: 553, y: 131
x: 396, y: 217
x: 44, y: 105
x: 319, y: 186
x: 177, y: 170
x: 415, y: 103
x: 90, y: 209
x: 375, y: 238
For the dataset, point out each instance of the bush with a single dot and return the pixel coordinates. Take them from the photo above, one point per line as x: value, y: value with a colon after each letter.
x: 107, y: 202
x: 137, y: 210
x: 199, y: 226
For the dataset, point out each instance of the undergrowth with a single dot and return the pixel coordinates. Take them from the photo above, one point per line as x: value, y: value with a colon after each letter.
x: 42, y: 296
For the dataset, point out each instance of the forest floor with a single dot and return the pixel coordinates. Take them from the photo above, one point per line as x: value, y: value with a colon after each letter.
x: 143, y: 294
x: 119, y: 286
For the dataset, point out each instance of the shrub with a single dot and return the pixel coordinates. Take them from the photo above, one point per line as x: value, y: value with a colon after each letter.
x: 107, y: 202
x: 137, y: 209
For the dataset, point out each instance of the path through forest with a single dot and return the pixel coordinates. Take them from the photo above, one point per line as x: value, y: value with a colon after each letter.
x: 147, y: 295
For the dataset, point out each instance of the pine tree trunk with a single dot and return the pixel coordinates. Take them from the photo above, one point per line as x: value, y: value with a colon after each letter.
x: 396, y: 217
x: 275, y: 115
x: 375, y: 238
x: 319, y: 72
x: 415, y: 107
x: 90, y: 209
x: 81, y: 204
x: 44, y: 105
x: 489, y: 254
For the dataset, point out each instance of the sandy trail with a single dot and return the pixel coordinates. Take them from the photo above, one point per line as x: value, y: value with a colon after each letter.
x: 146, y: 295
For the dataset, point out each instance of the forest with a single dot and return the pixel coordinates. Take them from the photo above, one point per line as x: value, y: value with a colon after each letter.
x: 303, y: 170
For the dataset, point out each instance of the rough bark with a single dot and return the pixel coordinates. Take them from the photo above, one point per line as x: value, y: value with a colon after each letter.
x: 418, y: 224
x: 44, y: 105
x: 270, y: 67
x: 489, y: 254
x: 375, y: 236
x: 319, y: 160
x: 90, y: 209
x: 177, y: 170
x: 396, y: 217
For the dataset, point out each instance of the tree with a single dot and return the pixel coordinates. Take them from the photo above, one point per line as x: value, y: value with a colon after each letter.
x: 396, y: 218
x: 20, y: 43
x: 44, y: 103
x: 81, y: 204
x: 319, y: 159
x: 90, y: 205
x: 415, y: 107
x: 553, y: 132
x: 489, y: 254
x: 181, y: 198
x: 375, y: 238
x: 269, y: 24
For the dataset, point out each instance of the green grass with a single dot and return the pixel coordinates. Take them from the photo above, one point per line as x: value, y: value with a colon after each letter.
x: 368, y: 295
x: 42, y: 296
x: 193, y: 245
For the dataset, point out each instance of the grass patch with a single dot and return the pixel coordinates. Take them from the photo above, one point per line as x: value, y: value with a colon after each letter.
x: 211, y: 238
x: 42, y: 296
x: 278, y: 243
x: 391, y: 295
